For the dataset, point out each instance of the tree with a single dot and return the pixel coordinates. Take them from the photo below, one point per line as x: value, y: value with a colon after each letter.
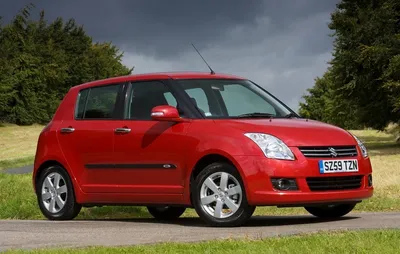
x: 366, y: 59
x: 41, y: 61
x: 321, y: 103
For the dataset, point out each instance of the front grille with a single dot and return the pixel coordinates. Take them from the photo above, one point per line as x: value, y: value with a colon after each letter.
x: 334, y: 183
x: 329, y: 151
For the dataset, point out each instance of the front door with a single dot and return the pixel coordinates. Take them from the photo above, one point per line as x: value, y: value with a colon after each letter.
x: 150, y: 155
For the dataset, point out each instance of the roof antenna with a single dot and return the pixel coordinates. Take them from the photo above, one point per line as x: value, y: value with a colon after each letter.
x: 211, y: 70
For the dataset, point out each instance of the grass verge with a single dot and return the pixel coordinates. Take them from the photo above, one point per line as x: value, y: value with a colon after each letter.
x: 369, y: 241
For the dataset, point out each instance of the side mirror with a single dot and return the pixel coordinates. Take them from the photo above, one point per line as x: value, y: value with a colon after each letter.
x: 165, y: 113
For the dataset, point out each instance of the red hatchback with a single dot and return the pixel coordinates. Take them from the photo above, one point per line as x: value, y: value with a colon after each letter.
x: 170, y: 141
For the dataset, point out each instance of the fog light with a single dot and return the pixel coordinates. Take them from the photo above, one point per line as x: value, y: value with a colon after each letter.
x: 284, y: 184
x: 369, y: 180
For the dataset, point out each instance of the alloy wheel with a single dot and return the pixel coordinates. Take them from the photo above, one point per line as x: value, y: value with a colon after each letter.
x: 54, y: 192
x: 221, y: 195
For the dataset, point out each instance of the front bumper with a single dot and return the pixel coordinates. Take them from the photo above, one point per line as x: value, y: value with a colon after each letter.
x: 257, y: 172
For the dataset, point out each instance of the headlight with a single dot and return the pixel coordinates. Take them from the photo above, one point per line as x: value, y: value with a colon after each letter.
x: 361, y: 146
x: 271, y: 146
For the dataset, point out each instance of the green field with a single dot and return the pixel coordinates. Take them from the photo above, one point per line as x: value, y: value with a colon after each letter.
x: 17, y: 200
x: 369, y: 241
x: 18, y: 145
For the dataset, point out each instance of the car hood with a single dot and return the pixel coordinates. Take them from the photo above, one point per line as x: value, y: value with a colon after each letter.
x: 294, y: 132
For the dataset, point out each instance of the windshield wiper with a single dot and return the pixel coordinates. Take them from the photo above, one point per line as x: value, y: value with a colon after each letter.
x: 255, y: 114
x: 290, y: 115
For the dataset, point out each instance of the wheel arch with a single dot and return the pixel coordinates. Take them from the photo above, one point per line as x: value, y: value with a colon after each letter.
x: 52, y: 162
x: 42, y: 167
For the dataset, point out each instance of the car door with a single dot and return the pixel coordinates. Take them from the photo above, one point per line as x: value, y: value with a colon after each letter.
x: 150, y: 155
x: 87, y: 138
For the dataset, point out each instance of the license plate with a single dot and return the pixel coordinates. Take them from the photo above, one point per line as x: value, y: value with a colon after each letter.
x: 338, y: 166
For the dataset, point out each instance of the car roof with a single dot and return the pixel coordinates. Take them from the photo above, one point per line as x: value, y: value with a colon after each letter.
x: 157, y: 75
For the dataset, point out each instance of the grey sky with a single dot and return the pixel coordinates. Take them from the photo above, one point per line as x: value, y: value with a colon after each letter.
x: 280, y: 44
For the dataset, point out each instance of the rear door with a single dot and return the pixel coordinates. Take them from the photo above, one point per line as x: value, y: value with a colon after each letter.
x: 150, y: 155
x: 87, y: 138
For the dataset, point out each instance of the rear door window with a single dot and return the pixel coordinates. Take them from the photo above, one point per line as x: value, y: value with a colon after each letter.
x: 97, y: 102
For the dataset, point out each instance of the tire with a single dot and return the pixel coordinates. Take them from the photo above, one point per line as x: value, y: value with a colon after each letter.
x: 333, y: 211
x: 166, y: 212
x: 63, y: 197
x: 234, y: 195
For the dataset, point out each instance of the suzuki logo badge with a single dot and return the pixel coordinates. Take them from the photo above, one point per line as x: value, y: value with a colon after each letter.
x: 332, y: 151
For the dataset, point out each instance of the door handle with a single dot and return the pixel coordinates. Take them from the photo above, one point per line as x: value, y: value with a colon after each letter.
x: 122, y: 130
x: 67, y: 130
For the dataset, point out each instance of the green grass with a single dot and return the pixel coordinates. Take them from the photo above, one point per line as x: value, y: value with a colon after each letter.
x: 18, y: 145
x: 369, y: 241
x: 17, y: 142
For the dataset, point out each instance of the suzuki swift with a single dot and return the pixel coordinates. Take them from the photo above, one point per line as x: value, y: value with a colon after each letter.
x: 220, y: 144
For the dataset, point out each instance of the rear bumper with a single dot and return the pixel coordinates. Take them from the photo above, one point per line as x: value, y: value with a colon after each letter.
x: 257, y: 172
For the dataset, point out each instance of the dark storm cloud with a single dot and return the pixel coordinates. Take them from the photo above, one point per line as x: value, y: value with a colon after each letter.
x: 165, y: 28
x: 159, y: 27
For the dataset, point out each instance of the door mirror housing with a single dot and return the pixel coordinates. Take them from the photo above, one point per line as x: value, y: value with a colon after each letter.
x: 165, y: 113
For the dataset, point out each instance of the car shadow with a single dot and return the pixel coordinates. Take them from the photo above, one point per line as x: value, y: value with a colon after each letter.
x: 255, y: 221
x: 154, y: 132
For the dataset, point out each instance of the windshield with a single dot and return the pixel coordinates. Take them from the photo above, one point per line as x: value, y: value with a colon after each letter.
x: 222, y: 98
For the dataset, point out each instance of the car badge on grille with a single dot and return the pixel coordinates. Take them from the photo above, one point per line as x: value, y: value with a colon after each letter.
x: 332, y: 151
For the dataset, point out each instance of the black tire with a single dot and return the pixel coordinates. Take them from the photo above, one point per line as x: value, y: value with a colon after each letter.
x: 70, y: 209
x: 330, y: 212
x: 239, y: 217
x: 166, y: 212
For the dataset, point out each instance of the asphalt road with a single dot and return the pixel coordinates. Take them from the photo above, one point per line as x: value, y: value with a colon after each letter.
x: 21, y: 170
x: 39, y: 234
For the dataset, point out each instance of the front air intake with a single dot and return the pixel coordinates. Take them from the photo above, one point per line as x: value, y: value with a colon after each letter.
x: 334, y: 183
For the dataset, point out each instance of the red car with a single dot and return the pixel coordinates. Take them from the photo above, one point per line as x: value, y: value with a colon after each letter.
x: 171, y: 141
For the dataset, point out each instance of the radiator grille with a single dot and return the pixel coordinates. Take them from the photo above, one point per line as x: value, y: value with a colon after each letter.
x: 329, y: 151
x: 334, y: 183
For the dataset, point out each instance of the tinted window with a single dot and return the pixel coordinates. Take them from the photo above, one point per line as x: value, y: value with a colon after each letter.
x: 145, y: 96
x: 101, y: 102
x: 80, y: 103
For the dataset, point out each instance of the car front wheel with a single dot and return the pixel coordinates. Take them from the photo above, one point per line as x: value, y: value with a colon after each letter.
x: 219, y: 196
x: 330, y: 211
x: 55, y: 194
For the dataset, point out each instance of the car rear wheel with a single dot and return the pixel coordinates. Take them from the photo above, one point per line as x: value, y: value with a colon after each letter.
x: 219, y: 196
x: 55, y: 194
x: 166, y: 212
x: 330, y: 211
